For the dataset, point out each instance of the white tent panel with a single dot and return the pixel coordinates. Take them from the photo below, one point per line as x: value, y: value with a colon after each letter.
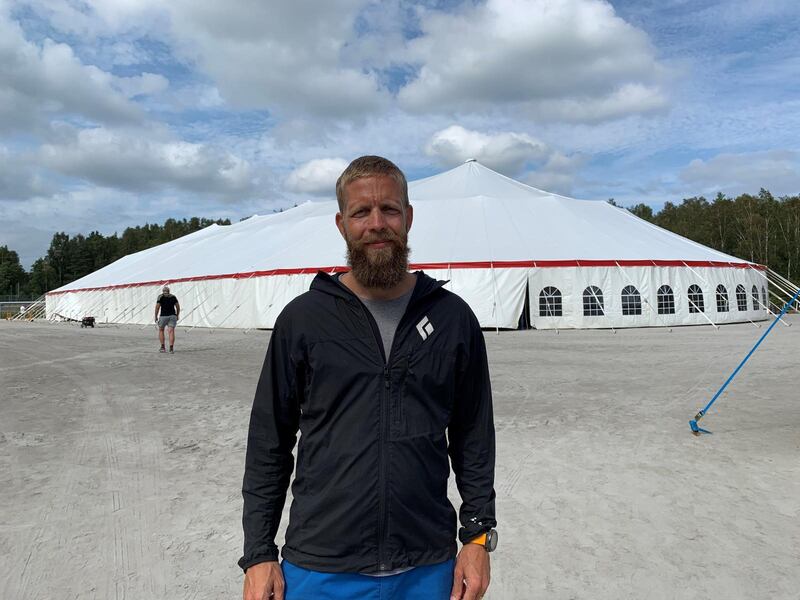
x: 496, y: 296
x: 494, y: 238
x: 646, y: 280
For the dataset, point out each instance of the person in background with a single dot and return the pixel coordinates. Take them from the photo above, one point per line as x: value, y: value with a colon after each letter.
x: 167, y: 312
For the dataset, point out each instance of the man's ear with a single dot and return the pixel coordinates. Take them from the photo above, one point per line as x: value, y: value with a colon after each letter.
x: 340, y: 224
x: 409, y: 217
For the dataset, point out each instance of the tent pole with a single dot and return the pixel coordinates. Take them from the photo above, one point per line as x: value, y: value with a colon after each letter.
x: 494, y: 298
x: 775, y: 284
x: 34, y: 308
x: 701, y: 413
x: 781, y: 278
x: 782, y: 287
x: 787, y: 324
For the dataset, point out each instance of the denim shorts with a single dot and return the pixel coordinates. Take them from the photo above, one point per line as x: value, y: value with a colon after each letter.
x: 168, y: 321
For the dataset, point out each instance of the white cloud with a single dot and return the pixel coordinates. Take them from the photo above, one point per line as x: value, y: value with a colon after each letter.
x: 27, y: 241
x: 317, y: 176
x: 97, y: 18
x: 628, y: 99
x: 28, y: 226
x: 559, y: 174
x: 18, y: 177
x: 507, y: 151
x: 286, y: 56
x: 145, y: 161
x: 534, y: 54
x: 515, y: 154
x: 39, y: 81
x: 145, y: 84
x: 776, y: 170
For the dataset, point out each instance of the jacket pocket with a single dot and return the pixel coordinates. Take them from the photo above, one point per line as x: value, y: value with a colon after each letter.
x: 423, y: 398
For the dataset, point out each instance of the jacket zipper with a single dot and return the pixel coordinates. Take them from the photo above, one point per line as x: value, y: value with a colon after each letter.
x: 385, y: 429
x: 382, y: 512
x: 384, y: 423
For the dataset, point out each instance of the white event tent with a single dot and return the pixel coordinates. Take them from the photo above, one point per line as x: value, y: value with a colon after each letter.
x: 516, y: 254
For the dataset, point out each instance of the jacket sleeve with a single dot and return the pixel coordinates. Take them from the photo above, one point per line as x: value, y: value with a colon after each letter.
x: 274, y: 421
x: 471, y: 438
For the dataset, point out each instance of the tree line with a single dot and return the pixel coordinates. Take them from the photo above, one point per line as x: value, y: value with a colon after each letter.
x: 71, y: 257
x: 760, y: 228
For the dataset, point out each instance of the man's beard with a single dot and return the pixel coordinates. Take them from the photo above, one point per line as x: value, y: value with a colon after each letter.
x: 380, y: 268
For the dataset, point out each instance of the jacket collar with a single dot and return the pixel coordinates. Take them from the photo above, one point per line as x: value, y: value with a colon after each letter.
x: 327, y: 284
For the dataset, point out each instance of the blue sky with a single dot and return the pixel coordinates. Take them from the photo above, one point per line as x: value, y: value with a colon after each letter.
x: 117, y: 113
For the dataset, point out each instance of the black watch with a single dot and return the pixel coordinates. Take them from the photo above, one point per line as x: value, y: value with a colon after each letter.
x: 488, y: 540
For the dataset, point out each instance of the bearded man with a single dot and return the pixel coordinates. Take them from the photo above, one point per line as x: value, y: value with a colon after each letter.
x: 385, y: 375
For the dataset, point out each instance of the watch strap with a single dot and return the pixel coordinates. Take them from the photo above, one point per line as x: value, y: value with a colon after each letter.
x: 481, y: 540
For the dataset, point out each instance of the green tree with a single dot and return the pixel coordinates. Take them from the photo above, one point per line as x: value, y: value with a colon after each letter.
x: 42, y: 278
x: 58, y: 256
x: 642, y: 211
x: 70, y: 258
x: 13, y: 278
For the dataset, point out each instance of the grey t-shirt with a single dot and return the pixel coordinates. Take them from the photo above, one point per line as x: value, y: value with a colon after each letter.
x: 387, y: 314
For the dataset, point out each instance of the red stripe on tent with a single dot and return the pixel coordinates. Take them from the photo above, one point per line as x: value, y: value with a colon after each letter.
x: 500, y: 264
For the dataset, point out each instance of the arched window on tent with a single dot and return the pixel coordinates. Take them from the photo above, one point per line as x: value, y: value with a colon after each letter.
x: 592, y: 302
x: 741, y: 297
x: 755, y: 299
x: 722, y: 298
x: 696, y: 304
x: 764, y: 304
x: 666, y: 300
x: 550, y: 302
x: 631, y: 301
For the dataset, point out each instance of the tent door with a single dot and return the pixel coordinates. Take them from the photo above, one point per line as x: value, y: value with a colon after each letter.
x: 525, y: 317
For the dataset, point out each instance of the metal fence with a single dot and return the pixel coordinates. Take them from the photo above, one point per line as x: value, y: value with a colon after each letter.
x: 16, y: 298
x: 12, y: 309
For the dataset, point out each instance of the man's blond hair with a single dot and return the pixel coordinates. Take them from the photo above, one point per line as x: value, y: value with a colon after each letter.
x: 369, y: 166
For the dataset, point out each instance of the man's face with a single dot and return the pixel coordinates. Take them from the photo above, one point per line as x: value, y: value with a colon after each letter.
x: 375, y: 224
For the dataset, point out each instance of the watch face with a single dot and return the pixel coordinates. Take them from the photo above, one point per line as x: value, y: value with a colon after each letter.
x: 491, y: 540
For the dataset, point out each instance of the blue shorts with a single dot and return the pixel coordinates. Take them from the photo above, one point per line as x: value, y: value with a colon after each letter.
x: 432, y: 582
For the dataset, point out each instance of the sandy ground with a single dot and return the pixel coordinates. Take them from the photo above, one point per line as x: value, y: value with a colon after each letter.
x: 120, y: 468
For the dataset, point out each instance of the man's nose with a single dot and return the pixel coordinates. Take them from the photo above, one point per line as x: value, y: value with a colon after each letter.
x: 376, y: 219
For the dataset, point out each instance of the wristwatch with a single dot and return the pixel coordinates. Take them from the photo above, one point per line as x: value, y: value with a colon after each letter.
x: 488, y: 540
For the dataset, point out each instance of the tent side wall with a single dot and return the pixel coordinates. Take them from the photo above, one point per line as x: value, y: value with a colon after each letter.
x: 573, y: 283
x: 496, y: 295
x: 237, y: 303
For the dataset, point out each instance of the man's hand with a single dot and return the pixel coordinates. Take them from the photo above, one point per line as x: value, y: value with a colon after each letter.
x: 472, y: 573
x: 264, y: 581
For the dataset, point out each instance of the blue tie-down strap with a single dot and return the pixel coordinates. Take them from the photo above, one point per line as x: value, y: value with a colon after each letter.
x: 696, y: 429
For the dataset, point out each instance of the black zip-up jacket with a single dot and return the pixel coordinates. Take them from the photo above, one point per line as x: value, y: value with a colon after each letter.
x: 370, y: 490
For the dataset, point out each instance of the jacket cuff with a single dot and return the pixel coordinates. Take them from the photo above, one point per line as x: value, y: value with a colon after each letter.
x: 267, y: 555
x: 466, y: 535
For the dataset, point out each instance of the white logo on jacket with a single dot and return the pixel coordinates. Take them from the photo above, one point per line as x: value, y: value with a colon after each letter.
x: 425, y: 328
